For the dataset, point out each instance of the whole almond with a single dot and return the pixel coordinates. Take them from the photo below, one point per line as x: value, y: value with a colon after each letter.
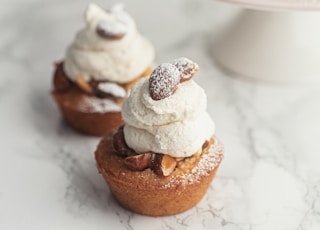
x: 186, y: 67
x: 163, y: 81
x: 138, y: 162
x: 83, y: 85
x: 163, y: 164
x: 111, y: 29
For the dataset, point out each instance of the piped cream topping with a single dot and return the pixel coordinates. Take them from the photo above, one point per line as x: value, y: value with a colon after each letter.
x: 109, y: 47
x: 177, y: 125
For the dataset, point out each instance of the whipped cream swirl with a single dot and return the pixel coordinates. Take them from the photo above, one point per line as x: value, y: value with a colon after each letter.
x: 177, y: 125
x: 119, y: 59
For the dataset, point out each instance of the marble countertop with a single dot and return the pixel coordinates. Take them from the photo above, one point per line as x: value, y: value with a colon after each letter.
x: 269, y: 179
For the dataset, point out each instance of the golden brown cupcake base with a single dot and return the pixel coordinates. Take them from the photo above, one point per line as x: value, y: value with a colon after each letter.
x: 146, y: 193
x: 87, y: 113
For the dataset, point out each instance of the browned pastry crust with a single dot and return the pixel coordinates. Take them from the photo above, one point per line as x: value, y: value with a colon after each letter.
x: 147, y: 193
x: 87, y: 113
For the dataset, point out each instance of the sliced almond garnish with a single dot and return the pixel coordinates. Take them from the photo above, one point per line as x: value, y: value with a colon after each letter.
x: 83, y: 84
x: 138, y: 162
x: 163, y: 164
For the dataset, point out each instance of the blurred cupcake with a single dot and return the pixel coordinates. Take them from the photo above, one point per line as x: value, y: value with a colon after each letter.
x: 105, y: 59
x: 162, y: 161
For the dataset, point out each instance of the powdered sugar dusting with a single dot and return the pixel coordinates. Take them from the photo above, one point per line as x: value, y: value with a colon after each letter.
x: 207, y: 163
x: 112, y: 88
x: 186, y: 67
x: 93, y: 104
x: 163, y: 81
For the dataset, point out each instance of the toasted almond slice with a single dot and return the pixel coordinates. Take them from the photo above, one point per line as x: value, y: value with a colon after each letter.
x: 83, y: 84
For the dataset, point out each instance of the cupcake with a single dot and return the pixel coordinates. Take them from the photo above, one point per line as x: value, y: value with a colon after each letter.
x: 105, y: 59
x: 163, y: 159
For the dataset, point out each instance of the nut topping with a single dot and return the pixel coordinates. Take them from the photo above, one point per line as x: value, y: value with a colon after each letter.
x: 112, y: 29
x: 83, y: 84
x: 120, y: 146
x: 138, y: 162
x: 163, y: 164
x: 186, y: 67
x: 163, y: 81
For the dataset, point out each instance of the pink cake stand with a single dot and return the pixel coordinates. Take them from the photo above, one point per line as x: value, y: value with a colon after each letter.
x: 272, y: 40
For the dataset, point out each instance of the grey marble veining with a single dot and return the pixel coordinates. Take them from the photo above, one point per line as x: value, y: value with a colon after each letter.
x: 269, y: 179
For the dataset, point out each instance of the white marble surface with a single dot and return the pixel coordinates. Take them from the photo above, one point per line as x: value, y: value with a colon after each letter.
x: 269, y: 179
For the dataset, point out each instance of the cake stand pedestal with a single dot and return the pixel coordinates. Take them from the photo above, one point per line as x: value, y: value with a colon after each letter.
x: 279, y: 46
